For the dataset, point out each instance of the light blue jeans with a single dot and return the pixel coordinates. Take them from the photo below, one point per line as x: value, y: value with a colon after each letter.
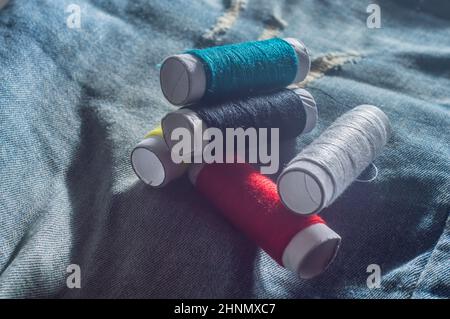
x: 74, y: 101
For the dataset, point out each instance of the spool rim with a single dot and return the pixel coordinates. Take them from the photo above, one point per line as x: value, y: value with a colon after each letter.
x: 311, y: 251
x: 161, y: 81
x: 139, y: 175
x: 184, y: 116
x: 303, y: 56
x: 331, y: 244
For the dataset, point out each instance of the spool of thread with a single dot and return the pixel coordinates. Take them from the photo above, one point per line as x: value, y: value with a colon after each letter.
x: 249, y: 200
x: 324, y: 169
x: 294, y: 112
x: 233, y: 70
x: 152, y: 163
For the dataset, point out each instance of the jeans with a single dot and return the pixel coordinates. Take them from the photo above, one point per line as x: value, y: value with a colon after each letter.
x: 79, y: 87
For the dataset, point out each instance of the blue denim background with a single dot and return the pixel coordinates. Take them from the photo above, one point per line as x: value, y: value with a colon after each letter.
x: 74, y: 102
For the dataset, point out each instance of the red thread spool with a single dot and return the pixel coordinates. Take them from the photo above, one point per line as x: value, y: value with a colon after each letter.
x: 302, y: 244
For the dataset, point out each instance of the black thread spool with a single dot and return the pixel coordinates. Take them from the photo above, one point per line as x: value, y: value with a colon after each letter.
x: 293, y: 112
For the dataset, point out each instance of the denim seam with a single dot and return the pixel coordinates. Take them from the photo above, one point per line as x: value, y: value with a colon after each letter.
x: 421, y: 274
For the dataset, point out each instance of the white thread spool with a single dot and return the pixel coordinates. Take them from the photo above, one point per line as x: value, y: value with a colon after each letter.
x: 188, y: 119
x: 308, y: 253
x: 325, y: 168
x: 183, y: 77
x: 152, y: 162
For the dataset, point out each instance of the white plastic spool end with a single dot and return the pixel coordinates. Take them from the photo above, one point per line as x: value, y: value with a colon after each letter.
x: 303, y: 57
x: 183, y: 76
x: 182, y: 79
x: 187, y: 119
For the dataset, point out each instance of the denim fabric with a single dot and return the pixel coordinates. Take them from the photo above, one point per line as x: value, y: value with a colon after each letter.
x: 74, y: 102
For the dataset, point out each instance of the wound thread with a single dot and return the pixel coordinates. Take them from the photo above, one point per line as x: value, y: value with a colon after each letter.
x: 246, y: 67
x: 249, y: 200
x: 282, y: 109
x: 324, y: 169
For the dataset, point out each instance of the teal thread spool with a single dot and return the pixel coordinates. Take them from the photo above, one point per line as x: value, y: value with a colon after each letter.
x: 232, y: 70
